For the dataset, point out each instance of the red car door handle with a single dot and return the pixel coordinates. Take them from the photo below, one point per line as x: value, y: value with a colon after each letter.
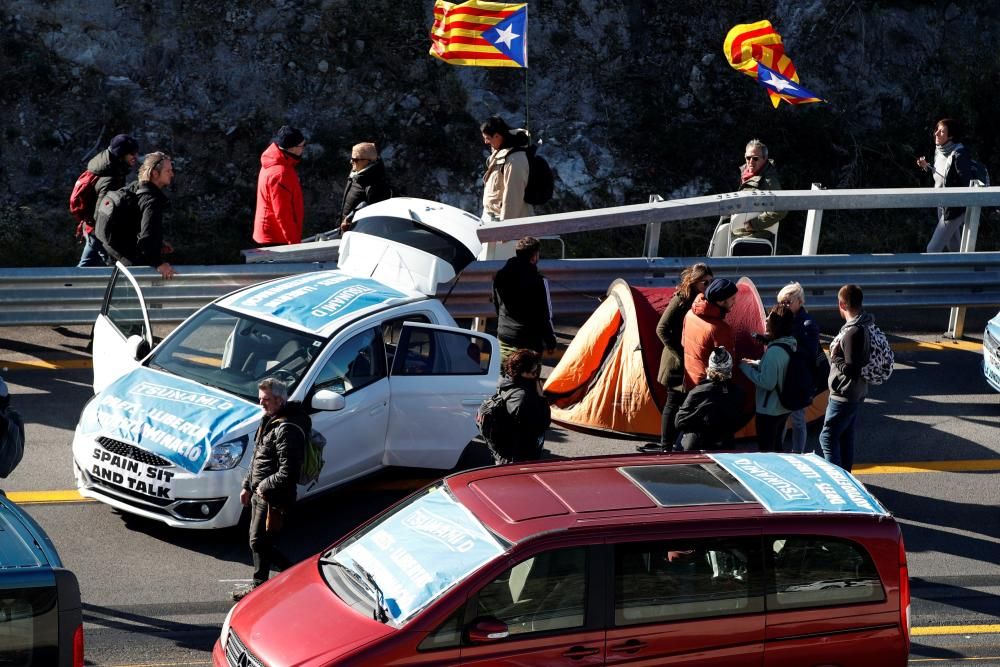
x: 631, y: 646
x: 578, y: 652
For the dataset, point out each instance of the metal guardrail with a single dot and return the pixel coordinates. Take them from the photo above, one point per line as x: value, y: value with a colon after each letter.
x: 74, y: 296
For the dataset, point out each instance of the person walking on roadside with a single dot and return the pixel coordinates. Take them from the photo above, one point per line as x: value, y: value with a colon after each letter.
x: 951, y: 168
x: 522, y: 303
x: 806, y: 334
x: 366, y: 184
x: 849, y: 353
x: 269, y: 487
x: 528, y: 414
x: 705, y: 328
x: 769, y: 375
x: 507, y: 170
x: 135, y: 238
x: 694, y: 280
x: 111, y: 167
x: 279, y: 214
x: 713, y: 411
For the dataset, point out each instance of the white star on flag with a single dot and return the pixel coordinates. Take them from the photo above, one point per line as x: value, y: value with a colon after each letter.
x: 780, y: 84
x: 506, y: 36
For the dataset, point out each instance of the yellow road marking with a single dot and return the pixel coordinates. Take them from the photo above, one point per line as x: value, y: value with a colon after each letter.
x: 916, y: 346
x: 935, y: 630
x: 38, y: 497
x: 989, y: 657
x: 926, y: 466
x: 45, y: 365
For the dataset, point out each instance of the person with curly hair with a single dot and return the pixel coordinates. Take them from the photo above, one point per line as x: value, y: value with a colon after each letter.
x: 527, y: 411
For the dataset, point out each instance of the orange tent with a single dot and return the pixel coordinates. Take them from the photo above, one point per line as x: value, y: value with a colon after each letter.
x: 606, y: 380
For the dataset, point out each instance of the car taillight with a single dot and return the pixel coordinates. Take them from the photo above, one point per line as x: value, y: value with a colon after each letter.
x: 904, y: 590
x: 78, y: 646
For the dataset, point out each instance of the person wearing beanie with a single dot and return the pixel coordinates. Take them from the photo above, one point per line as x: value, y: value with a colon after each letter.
x: 705, y: 328
x: 366, y: 183
x: 713, y: 411
x: 769, y: 375
x: 279, y: 213
x: 110, y: 166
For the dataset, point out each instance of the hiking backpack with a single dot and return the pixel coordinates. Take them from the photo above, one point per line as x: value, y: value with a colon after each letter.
x: 83, y: 200
x: 494, y: 421
x: 541, y: 181
x: 796, y: 390
x: 312, y: 460
x: 116, y: 221
x: 880, y: 360
x: 11, y: 441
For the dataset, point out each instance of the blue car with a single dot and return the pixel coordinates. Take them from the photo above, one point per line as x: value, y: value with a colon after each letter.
x: 991, y: 352
x: 41, y: 619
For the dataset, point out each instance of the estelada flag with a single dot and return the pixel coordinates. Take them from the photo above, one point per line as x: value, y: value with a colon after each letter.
x: 756, y: 49
x: 480, y: 33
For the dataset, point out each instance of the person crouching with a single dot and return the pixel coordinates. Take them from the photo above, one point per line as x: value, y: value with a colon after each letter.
x: 526, y: 405
x: 712, y: 411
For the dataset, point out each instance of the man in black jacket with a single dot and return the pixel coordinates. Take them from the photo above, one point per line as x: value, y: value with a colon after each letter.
x: 521, y: 299
x: 111, y: 166
x: 270, y: 485
x: 136, y: 238
x: 366, y: 183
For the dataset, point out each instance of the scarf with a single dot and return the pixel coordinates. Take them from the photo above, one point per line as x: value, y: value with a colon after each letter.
x: 747, y: 173
x: 942, y: 162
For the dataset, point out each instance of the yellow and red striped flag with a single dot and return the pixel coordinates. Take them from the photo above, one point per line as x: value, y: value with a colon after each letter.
x: 480, y: 33
x: 749, y: 45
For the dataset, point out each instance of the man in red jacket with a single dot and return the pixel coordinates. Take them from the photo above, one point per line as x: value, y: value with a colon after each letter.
x: 278, y: 219
x: 705, y: 328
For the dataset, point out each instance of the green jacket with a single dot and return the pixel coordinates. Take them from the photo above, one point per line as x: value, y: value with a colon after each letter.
x: 766, y: 180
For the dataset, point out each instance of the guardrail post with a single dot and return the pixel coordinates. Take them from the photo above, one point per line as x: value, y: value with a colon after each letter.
x: 970, y: 233
x: 652, y: 242
x: 814, y: 220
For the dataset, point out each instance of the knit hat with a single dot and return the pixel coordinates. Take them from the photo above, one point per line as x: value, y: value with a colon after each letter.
x: 720, y: 361
x: 288, y: 137
x: 122, y: 145
x: 720, y: 289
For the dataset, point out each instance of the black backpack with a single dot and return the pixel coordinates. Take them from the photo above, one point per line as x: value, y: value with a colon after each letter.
x: 541, y: 180
x: 494, y: 422
x: 796, y: 391
x: 11, y: 441
x: 116, y: 221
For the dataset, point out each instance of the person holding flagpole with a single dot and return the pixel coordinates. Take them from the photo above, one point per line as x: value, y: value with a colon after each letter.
x: 506, y: 171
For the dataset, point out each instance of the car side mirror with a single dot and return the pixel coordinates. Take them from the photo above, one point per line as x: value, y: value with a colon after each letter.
x: 326, y: 399
x: 137, y: 347
x: 487, y: 629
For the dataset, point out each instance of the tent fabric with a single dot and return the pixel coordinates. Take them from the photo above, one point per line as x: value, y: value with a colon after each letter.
x: 606, y: 380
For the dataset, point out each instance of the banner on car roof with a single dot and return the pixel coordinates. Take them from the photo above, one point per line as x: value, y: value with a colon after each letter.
x: 423, y: 549
x: 175, y: 418
x: 797, y: 483
x: 313, y: 300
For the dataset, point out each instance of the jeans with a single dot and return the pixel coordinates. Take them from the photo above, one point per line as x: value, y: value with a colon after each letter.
x: 770, y: 428
x: 265, y: 553
x: 800, y: 433
x: 947, y: 235
x: 668, y: 429
x: 837, y: 437
x: 93, y: 253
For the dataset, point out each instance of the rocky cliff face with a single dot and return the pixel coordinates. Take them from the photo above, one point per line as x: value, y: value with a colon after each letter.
x: 629, y: 97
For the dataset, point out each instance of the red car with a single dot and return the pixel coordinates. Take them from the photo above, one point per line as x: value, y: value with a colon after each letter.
x: 692, y: 559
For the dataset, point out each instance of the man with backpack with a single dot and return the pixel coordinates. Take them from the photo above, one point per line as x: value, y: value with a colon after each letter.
x: 129, y: 221
x: 507, y: 171
x: 850, y: 352
x: 269, y: 488
x: 105, y: 172
x: 514, y: 420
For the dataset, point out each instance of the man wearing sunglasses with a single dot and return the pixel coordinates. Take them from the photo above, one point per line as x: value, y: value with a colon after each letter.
x: 758, y: 173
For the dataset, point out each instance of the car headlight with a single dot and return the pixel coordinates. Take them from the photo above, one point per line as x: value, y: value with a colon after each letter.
x: 224, y: 636
x: 226, y: 455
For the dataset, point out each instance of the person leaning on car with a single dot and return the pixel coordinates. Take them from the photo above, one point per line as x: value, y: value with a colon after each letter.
x: 269, y: 487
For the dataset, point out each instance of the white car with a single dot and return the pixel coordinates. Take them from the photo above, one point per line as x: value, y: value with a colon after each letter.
x: 379, y: 363
x: 991, y: 352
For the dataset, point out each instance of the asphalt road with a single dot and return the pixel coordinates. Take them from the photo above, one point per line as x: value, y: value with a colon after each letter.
x: 157, y: 596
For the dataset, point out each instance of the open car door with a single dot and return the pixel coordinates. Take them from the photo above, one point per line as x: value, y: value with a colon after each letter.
x: 412, y: 244
x: 439, y: 377
x: 122, y: 335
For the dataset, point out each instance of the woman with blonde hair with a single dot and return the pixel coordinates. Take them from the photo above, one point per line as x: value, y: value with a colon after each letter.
x: 806, y: 333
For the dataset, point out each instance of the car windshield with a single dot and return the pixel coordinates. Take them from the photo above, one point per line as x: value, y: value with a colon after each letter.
x: 235, y: 352
x: 415, y: 553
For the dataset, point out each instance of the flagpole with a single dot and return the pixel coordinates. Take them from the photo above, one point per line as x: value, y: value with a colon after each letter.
x: 527, y: 123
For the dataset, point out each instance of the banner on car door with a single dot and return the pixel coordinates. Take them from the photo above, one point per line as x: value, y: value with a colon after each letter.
x: 797, y: 483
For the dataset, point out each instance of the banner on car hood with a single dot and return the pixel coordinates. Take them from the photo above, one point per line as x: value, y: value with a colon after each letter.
x: 170, y: 416
x: 313, y: 300
x: 797, y: 483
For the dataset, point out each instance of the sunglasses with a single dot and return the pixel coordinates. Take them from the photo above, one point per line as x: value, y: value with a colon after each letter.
x: 752, y: 158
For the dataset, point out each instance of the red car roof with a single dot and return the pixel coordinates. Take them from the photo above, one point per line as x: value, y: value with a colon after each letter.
x: 522, y: 500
